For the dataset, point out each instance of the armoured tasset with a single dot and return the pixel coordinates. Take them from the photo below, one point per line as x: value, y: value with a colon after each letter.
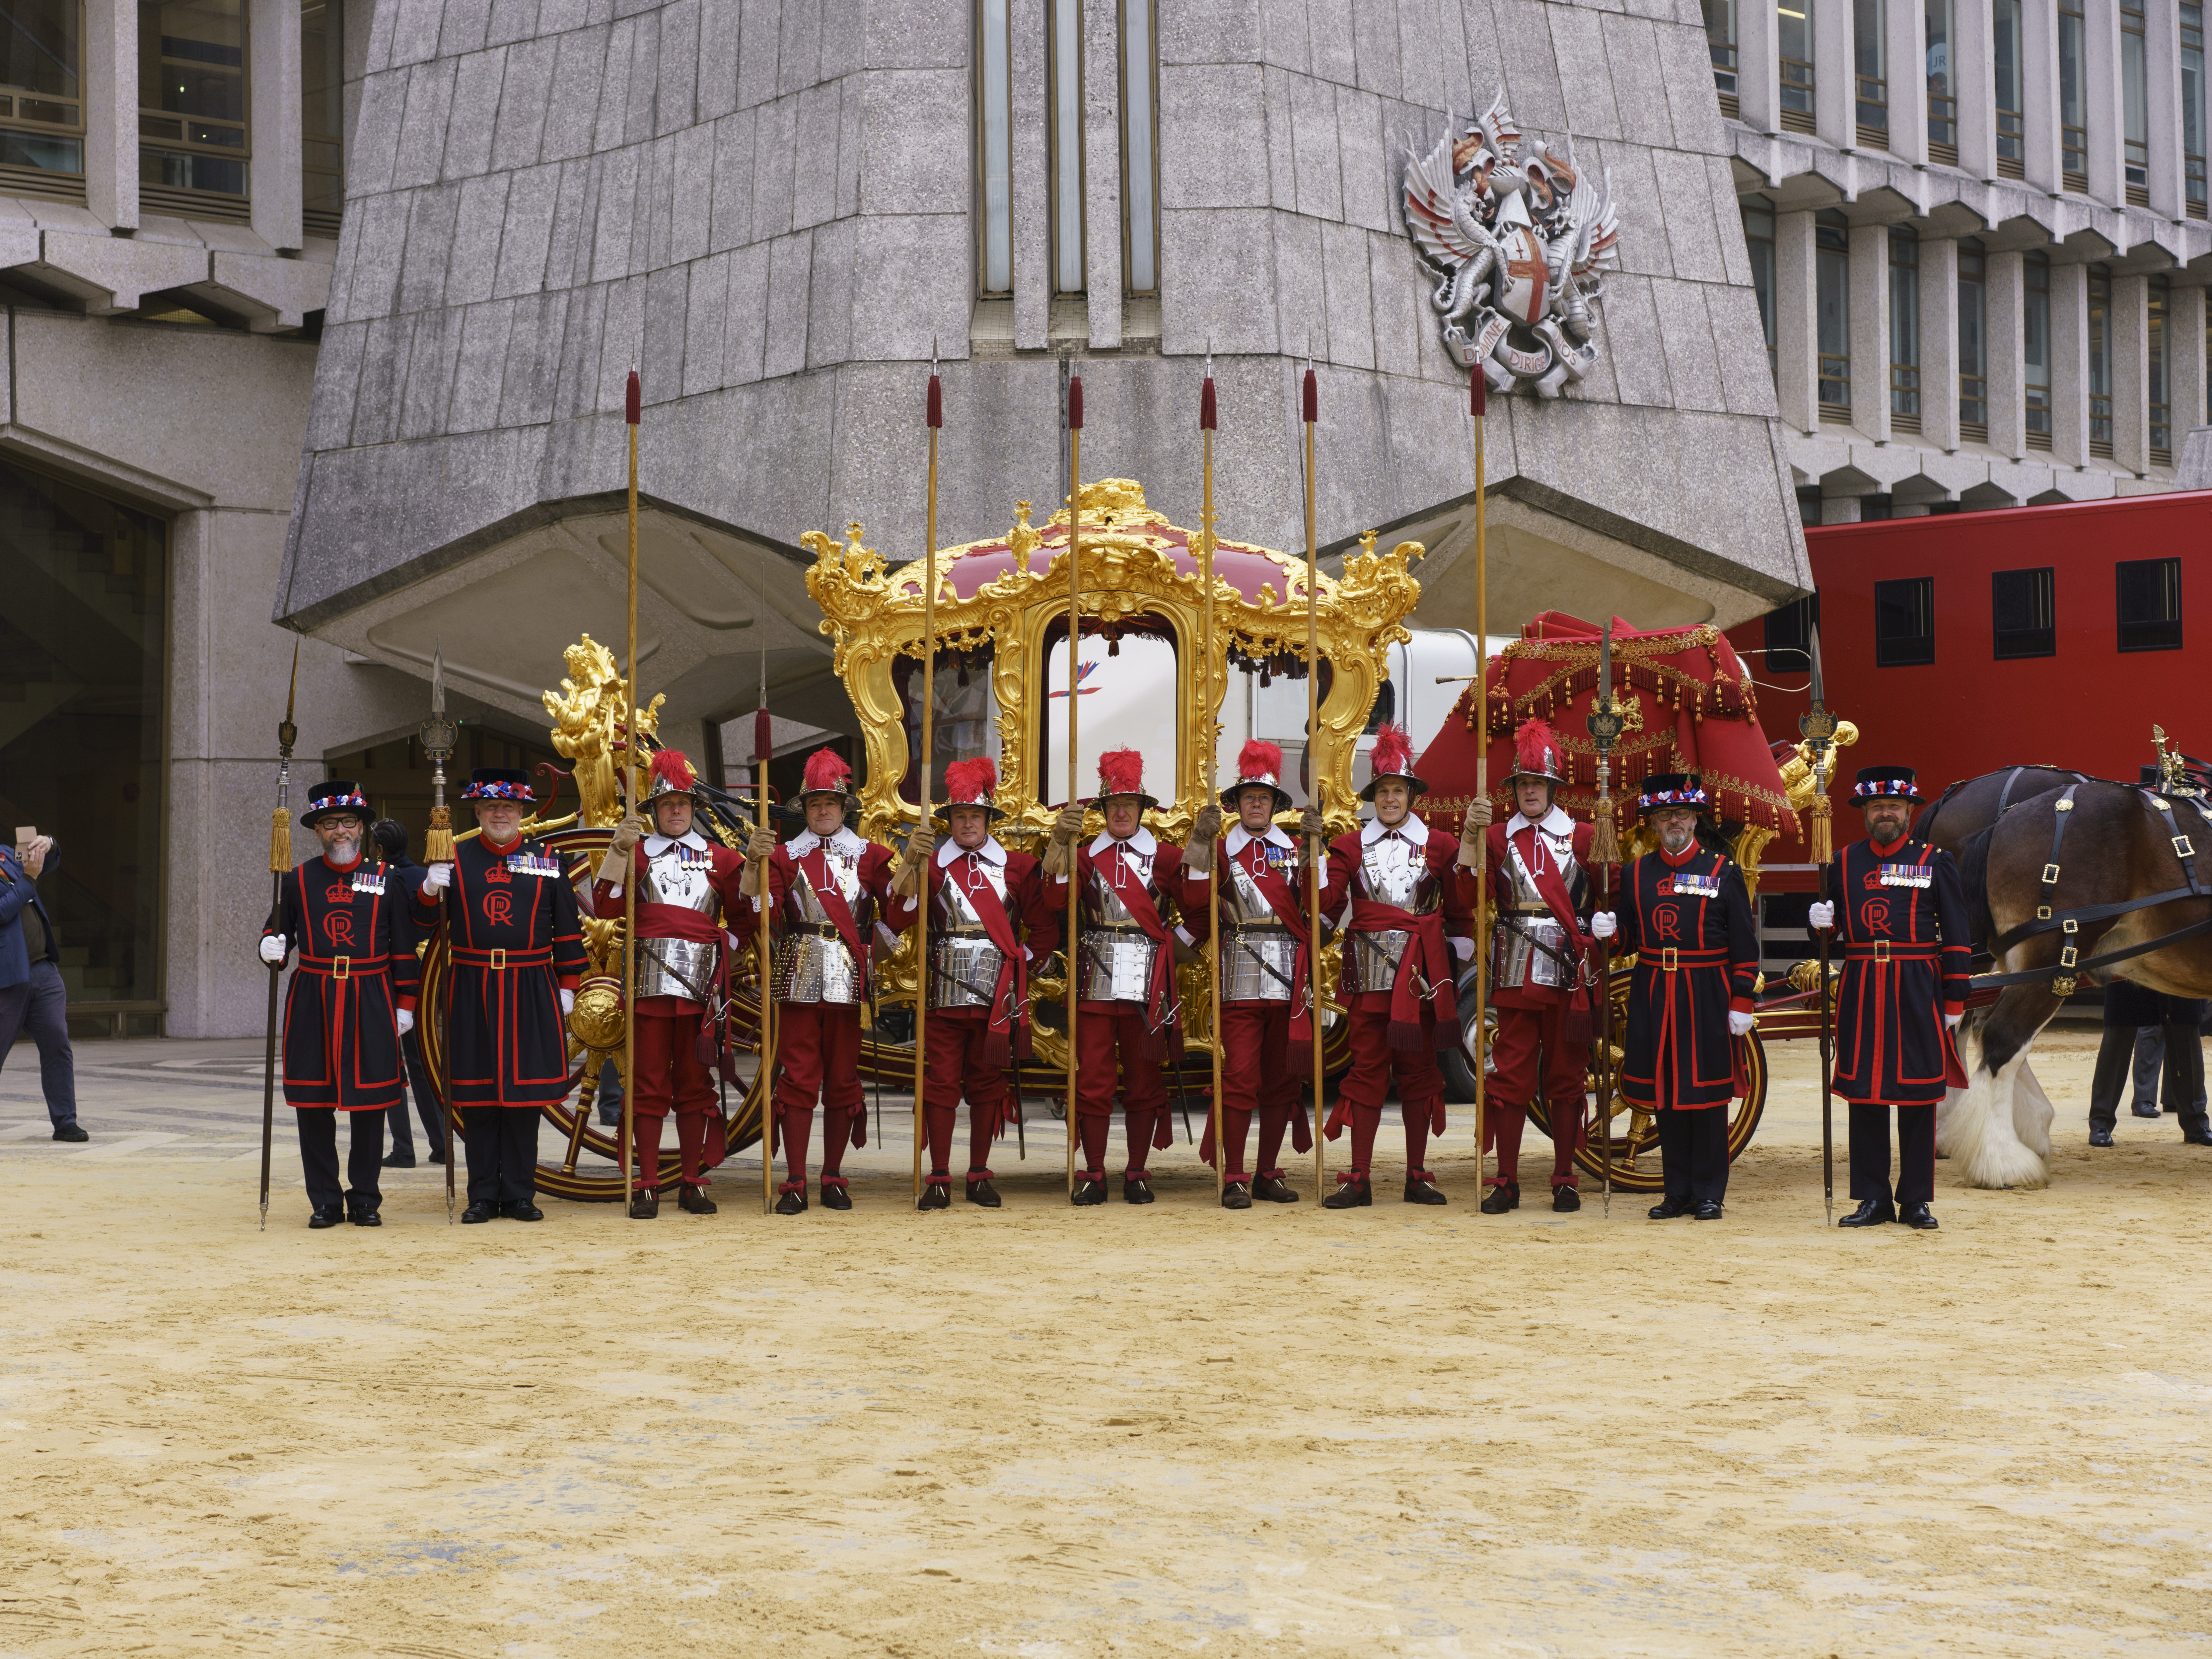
x: 1393, y: 870
x: 813, y: 963
x: 964, y: 964
x: 1118, y: 954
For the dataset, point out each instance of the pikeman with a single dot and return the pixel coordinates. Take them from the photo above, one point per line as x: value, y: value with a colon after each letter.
x: 983, y: 900
x: 516, y: 955
x: 1124, y: 971
x: 826, y: 888
x: 1903, y: 992
x: 1688, y: 920
x: 1539, y: 978
x: 351, y: 1001
x: 684, y: 883
x: 1266, y: 983
x: 1408, y: 914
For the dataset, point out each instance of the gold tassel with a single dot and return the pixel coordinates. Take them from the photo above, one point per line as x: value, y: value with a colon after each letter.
x: 1605, y: 840
x: 280, y: 842
x: 438, y: 843
x: 1822, y: 848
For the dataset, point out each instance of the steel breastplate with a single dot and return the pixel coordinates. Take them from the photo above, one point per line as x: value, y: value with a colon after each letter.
x: 1516, y: 961
x: 814, y: 964
x: 965, y: 965
x: 1396, y: 872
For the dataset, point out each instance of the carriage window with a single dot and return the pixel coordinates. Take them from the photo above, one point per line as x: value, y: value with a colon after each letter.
x: 966, y: 724
x: 1129, y: 688
x: 1789, y: 636
x: 2150, y: 605
x: 2022, y: 614
x: 1905, y: 622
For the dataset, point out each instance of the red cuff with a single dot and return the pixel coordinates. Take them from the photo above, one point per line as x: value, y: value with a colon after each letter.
x: 1740, y: 1005
x: 568, y: 980
x: 1952, y: 1008
x: 407, y: 1003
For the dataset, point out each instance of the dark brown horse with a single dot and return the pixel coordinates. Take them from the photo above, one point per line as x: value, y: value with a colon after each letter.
x: 1978, y: 802
x: 2088, y: 880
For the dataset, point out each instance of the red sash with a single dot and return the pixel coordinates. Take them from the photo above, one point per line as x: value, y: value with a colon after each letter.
x: 1137, y: 899
x: 1007, y: 1031
x: 1428, y: 956
x: 1552, y: 887
x: 1283, y: 899
x: 816, y: 868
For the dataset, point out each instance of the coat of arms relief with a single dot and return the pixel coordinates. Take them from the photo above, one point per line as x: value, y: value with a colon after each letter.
x: 1519, y: 246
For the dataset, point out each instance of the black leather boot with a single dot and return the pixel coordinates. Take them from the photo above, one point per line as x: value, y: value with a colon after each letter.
x: 1353, y: 1192
x: 1505, y: 1195
x: 2116, y: 1057
x: 1566, y: 1201
x: 1089, y: 1191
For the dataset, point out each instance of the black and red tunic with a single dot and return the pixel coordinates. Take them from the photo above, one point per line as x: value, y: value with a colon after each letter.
x: 358, y: 968
x: 1901, y: 918
x: 1688, y: 919
x: 510, y: 914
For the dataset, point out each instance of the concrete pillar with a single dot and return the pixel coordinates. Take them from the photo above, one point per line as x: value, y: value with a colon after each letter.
x: 1974, y: 63
x: 1906, y: 39
x: 1939, y: 342
x: 2185, y: 360
x: 2039, y: 99
x: 1029, y: 163
x: 111, y: 112
x: 1869, y: 287
x: 272, y: 44
x: 2101, y: 104
x: 1101, y: 174
x: 1832, y: 79
x: 1759, y: 66
x: 2070, y: 364
x: 2128, y: 326
x: 2162, y: 100
x: 1797, y: 323
x: 2007, y: 384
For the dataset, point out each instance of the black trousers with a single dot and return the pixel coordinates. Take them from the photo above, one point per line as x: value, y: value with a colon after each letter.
x: 503, y: 1148
x: 1916, y: 1154
x: 1694, y: 1153
x: 318, y: 1155
x: 418, y: 1084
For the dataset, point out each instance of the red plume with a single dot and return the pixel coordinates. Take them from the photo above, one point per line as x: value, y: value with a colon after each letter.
x: 827, y: 769
x: 1393, y: 752
x: 1121, y: 772
x: 1535, y: 743
x: 1257, y: 759
x: 671, y: 766
x: 970, y: 781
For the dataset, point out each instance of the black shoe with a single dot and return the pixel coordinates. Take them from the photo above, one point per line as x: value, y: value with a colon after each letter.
x: 644, y: 1204
x: 1136, y: 1189
x: 1236, y: 1196
x: 1566, y: 1201
x: 328, y: 1216
x: 2101, y: 1137
x: 1506, y: 1195
x: 69, y: 1131
x: 2144, y: 1111
x: 981, y: 1191
x: 695, y: 1199
x: 1089, y: 1191
x: 1667, y: 1208
x: 834, y: 1197
x: 437, y: 1157
x: 524, y: 1212
x: 1273, y: 1189
x: 935, y: 1195
x: 1916, y: 1217
x: 361, y: 1217
x: 794, y: 1201
x: 1421, y: 1189
x: 1871, y: 1212
x: 396, y: 1162
x: 2196, y: 1132
x: 1709, y: 1209
x: 1352, y: 1191
x: 485, y: 1210
x: 610, y: 1120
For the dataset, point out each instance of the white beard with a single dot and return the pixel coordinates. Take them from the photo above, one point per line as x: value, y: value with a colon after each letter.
x: 1676, y: 843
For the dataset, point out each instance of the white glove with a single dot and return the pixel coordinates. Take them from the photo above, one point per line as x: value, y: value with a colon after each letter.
x: 273, y: 948
x: 1602, y: 925
x: 1951, y: 1021
x: 1740, y: 1024
x: 1821, y: 914
x: 437, y: 877
x: 405, y: 1017
x: 568, y: 1004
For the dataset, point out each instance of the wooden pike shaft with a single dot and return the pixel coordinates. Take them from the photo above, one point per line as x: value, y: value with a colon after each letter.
x: 764, y: 953
x: 1317, y: 847
x: 1210, y: 747
x: 1074, y: 703
x: 629, y: 877
x: 1482, y: 792
x: 928, y: 750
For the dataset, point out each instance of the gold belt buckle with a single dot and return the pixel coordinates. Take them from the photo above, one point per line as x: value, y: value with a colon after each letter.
x: 1881, y: 950
x: 499, y: 962
x: 1670, y: 959
x: 341, y: 967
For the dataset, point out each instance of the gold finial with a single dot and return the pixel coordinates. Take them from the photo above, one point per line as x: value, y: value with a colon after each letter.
x: 1367, y: 542
x: 1021, y: 540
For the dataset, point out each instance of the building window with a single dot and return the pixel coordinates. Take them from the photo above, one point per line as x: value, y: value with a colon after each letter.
x: 1064, y: 122
x: 322, y: 114
x: 81, y: 673
x: 1140, y: 128
x: 994, y: 159
x: 2134, y: 102
x: 1758, y: 242
x: 192, y: 134
x: 1904, y: 329
x: 1790, y: 633
x: 2192, y: 109
x: 1868, y: 55
x: 2101, y: 362
x: 2072, y: 107
x: 1832, y: 281
x: 2161, y: 412
x: 2149, y: 604
x: 1943, y: 104
x: 1794, y: 24
x: 2035, y: 347
x: 41, y: 119
x: 2012, y: 145
x: 2023, y: 619
x: 1905, y: 622
x: 1720, y: 44
x: 1973, y: 344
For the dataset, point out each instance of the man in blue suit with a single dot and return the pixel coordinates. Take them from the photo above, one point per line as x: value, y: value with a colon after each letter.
x: 31, y: 990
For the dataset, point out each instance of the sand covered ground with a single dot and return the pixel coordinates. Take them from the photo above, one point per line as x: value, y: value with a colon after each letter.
x: 1047, y: 1432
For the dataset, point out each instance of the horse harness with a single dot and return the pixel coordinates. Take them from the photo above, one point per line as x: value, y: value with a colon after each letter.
x: 2071, y: 962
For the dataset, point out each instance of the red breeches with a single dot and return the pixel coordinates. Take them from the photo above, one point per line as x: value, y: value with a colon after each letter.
x: 667, y: 1075
x: 1108, y: 1036
x: 957, y: 1067
x: 1257, y: 1077
x: 1528, y: 1046
x: 817, y: 1050
x: 1374, y: 1066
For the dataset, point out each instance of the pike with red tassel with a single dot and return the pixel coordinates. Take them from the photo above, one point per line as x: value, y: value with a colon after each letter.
x: 826, y: 888
x: 988, y: 920
x: 683, y: 885
x: 1542, y: 980
x: 1406, y: 934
